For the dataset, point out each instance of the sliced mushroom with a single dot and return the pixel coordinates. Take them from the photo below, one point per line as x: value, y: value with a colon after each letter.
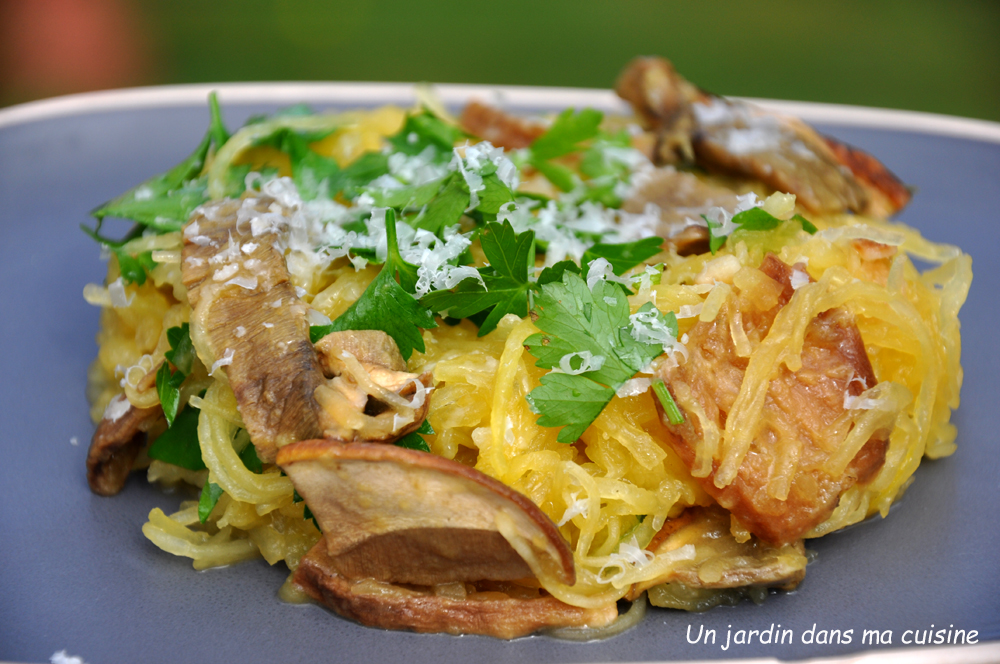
x: 370, y: 396
x: 499, y: 610
x: 738, y: 138
x: 247, y: 313
x: 369, y: 347
x: 784, y: 153
x: 680, y: 198
x: 119, y: 438
x: 499, y: 128
x: 663, y: 100
x: 405, y: 516
x: 394, y: 516
x: 781, y: 490
x: 720, y: 560
x: 887, y: 193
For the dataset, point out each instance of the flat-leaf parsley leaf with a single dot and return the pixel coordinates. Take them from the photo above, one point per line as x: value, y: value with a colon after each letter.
x: 576, y: 320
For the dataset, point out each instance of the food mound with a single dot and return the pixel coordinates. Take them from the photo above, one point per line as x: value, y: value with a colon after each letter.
x: 493, y: 374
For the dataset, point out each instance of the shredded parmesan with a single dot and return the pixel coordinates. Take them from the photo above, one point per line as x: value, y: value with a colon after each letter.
x: 62, y: 657
x: 119, y: 299
x: 577, y: 506
x: 116, y: 408
x: 634, y: 387
x: 799, y: 279
x: 588, y: 362
x: 224, y: 361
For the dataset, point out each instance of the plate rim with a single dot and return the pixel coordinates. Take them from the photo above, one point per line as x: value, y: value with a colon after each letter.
x: 374, y: 93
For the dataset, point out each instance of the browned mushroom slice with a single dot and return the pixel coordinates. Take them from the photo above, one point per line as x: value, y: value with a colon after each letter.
x: 370, y: 396
x: 369, y: 347
x: 720, y: 560
x: 680, y: 197
x: 781, y: 490
x: 738, y: 138
x: 246, y: 311
x: 784, y: 153
x: 117, y: 441
x: 663, y: 101
x: 500, y: 610
x: 499, y: 128
x: 888, y: 193
x: 404, y: 516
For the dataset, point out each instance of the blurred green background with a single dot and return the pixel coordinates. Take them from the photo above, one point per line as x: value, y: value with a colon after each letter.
x: 924, y: 55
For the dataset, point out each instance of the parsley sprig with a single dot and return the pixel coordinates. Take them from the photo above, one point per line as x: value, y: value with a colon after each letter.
x: 574, y: 319
x: 754, y: 219
x: 507, y: 283
x: 506, y: 280
x: 168, y: 384
x: 569, y: 129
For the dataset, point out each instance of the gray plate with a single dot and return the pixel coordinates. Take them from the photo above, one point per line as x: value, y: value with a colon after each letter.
x: 77, y: 573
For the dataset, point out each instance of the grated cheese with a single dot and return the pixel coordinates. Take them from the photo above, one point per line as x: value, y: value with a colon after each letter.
x: 630, y: 556
x: 576, y: 507
x: 588, y: 362
x: 116, y: 408
x: 61, y: 657
x: 634, y: 387
x: 116, y: 290
x: 647, y: 327
x: 224, y: 361
x: 799, y: 279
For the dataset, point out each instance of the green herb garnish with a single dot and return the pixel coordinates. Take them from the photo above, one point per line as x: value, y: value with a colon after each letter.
x: 574, y: 319
x: 168, y: 384
x: 415, y: 440
x: 179, y: 443
x: 210, y: 495
x: 667, y: 401
x: 386, y: 305
x: 507, y: 281
x: 754, y: 219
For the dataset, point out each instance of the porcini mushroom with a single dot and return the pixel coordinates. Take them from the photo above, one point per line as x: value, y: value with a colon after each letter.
x: 119, y: 437
x: 737, y: 138
x: 369, y: 395
x: 405, y: 516
x: 722, y: 561
x: 247, y: 317
x: 394, y: 516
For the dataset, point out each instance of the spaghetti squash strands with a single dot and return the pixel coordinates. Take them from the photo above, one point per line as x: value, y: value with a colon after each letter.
x: 471, y: 243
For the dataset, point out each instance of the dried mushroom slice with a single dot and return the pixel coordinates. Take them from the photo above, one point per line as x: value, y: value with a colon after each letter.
x: 680, y: 199
x: 721, y: 560
x: 403, y: 516
x: 370, y: 396
x: 503, y: 611
x: 117, y: 441
x: 887, y: 192
x: 663, y: 100
x: 783, y: 153
x: 781, y: 489
x: 738, y: 138
x: 247, y: 317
